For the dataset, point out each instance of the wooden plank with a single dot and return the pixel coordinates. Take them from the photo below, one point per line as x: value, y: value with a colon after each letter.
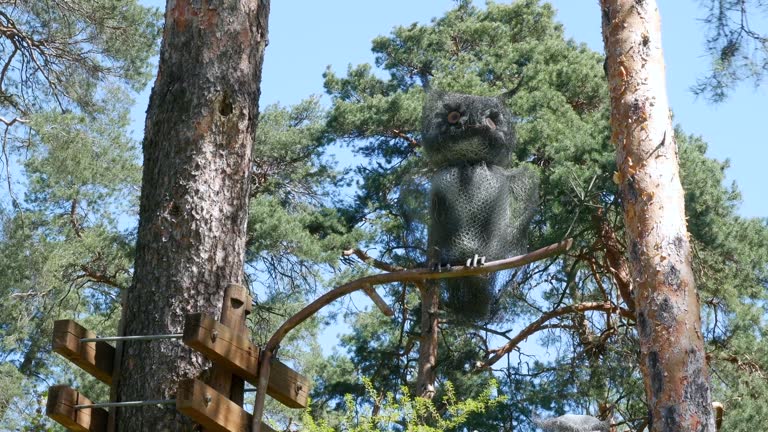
x: 61, y: 408
x: 222, y: 345
x: 96, y: 358
x: 237, y: 353
x: 211, y: 409
x: 287, y: 386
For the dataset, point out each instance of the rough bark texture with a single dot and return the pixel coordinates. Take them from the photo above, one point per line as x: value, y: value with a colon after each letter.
x: 197, y: 153
x: 667, y: 305
x: 430, y: 299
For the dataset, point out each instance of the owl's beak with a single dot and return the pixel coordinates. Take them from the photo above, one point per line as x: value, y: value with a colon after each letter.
x: 488, y: 122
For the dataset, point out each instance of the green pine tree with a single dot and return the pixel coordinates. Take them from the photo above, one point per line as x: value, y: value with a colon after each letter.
x: 71, y: 174
x: 66, y: 236
x: 736, y: 42
x: 560, y: 101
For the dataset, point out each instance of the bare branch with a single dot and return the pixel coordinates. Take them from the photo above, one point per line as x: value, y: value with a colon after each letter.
x: 411, y: 142
x: 379, y: 302
x: 363, y: 255
x: 73, y: 219
x: 615, y: 260
x: 540, y: 323
x: 12, y: 121
x: 100, y: 277
x: 415, y: 275
x: 744, y: 363
x: 7, y: 161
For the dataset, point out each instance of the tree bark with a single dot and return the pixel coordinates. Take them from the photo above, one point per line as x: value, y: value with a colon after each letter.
x: 197, y: 158
x: 430, y: 299
x: 667, y: 305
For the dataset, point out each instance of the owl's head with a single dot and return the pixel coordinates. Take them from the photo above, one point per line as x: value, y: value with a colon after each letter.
x: 460, y: 129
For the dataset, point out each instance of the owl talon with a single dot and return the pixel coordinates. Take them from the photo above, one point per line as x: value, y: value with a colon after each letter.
x: 476, y: 261
x: 437, y: 267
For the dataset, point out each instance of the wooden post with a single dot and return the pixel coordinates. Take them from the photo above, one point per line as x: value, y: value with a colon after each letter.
x: 234, y: 311
x: 265, y: 364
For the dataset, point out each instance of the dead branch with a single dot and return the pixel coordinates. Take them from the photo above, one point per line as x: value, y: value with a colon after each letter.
x: 378, y: 301
x: 744, y: 363
x: 411, y: 142
x: 73, y: 219
x: 363, y: 255
x: 540, y: 323
x: 13, y: 121
x: 100, y: 277
x: 615, y: 261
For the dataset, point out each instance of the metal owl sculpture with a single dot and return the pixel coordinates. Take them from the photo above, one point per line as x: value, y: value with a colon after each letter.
x: 480, y: 207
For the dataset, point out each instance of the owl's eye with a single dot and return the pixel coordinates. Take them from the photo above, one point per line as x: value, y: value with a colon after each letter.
x: 453, y: 117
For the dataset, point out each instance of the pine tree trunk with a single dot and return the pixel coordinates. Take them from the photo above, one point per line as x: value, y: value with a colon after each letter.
x: 668, y: 315
x: 425, y: 379
x: 197, y: 156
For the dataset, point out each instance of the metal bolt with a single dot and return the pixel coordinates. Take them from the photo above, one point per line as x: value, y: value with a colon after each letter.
x: 207, y: 399
x: 214, y: 335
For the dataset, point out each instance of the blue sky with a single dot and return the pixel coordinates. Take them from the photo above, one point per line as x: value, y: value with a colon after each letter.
x: 306, y: 36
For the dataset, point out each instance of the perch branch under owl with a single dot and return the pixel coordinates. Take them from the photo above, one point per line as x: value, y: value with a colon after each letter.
x: 414, y: 275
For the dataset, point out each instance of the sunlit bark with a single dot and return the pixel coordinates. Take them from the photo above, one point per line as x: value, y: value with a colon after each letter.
x: 667, y: 305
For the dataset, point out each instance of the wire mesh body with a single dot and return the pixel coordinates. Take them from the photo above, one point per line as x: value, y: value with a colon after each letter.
x: 479, y: 206
x: 471, y: 211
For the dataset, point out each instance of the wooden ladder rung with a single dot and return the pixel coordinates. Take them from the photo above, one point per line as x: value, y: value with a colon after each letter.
x: 237, y: 353
x: 96, y: 358
x: 61, y: 408
x: 211, y: 409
